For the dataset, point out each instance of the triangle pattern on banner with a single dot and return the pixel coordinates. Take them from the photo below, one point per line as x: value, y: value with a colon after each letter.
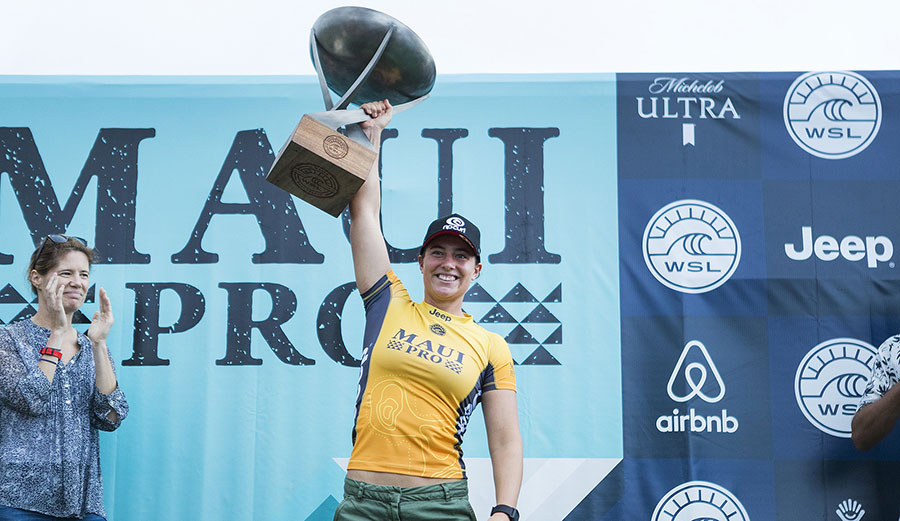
x: 541, y: 315
x: 555, y: 337
x: 541, y: 356
x: 9, y: 295
x: 555, y: 296
x: 520, y: 335
x: 518, y: 294
x: 28, y: 312
x: 80, y: 318
x: 497, y: 314
x: 325, y: 511
x: 478, y: 294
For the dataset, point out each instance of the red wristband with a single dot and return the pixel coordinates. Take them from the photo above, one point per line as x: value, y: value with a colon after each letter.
x: 52, y: 352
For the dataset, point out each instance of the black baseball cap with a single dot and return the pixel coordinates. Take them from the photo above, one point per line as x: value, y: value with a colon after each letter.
x: 458, y: 225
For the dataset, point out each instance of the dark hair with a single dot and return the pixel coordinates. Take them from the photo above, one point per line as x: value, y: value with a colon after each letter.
x: 50, y: 253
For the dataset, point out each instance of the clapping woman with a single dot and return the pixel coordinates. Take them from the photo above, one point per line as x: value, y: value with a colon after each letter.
x: 57, y: 388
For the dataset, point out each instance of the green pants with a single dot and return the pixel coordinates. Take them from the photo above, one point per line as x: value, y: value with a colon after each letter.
x: 367, y: 502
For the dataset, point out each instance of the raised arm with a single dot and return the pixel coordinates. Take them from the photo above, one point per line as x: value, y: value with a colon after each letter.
x: 108, y: 405
x: 370, y: 256
x: 501, y: 420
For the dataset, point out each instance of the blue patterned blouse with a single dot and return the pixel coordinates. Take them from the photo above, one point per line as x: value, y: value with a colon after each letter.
x: 49, y: 447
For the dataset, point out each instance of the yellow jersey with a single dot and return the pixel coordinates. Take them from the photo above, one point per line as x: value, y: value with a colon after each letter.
x: 423, y: 373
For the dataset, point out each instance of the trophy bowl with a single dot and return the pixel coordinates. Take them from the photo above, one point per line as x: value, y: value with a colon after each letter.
x: 346, y: 38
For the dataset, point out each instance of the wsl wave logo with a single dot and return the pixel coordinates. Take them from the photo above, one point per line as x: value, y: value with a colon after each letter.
x: 699, y: 501
x: 830, y: 382
x: 696, y: 376
x: 832, y: 115
x: 691, y: 246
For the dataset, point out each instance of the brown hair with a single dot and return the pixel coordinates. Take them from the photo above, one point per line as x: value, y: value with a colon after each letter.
x: 50, y: 253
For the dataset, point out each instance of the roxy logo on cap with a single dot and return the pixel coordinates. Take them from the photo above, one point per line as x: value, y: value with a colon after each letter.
x: 456, y: 224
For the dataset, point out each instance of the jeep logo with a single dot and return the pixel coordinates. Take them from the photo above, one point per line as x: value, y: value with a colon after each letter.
x: 440, y: 315
x: 874, y: 249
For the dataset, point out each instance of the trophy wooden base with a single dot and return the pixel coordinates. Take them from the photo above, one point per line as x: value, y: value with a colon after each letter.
x: 321, y: 166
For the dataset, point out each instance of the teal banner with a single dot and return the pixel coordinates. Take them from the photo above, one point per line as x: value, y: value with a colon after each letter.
x: 238, y: 328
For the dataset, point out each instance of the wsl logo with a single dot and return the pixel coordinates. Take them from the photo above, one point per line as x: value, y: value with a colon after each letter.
x: 696, y: 376
x: 691, y: 246
x: 830, y: 382
x: 832, y: 115
x: 699, y: 501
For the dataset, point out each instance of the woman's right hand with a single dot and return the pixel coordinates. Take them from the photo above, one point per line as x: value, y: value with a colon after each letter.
x: 52, y: 293
x: 381, y: 113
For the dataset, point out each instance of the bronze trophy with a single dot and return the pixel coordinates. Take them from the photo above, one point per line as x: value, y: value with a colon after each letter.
x: 362, y: 55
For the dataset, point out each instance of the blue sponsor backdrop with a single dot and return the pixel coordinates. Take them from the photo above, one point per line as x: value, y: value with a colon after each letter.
x: 687, y: 376
x: 804, y: 167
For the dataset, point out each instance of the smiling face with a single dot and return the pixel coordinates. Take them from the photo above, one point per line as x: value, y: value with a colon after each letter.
x: 73, y: 273
x: 448, y: 267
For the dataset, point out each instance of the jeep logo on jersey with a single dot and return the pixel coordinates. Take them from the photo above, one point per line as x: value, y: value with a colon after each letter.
x: 699, y: 501
x: 443, y: 316
x: 696, y: 376
x: 691, y: 246
x: 832, y: 115
x: 873, y: 249
x: 830, y: 381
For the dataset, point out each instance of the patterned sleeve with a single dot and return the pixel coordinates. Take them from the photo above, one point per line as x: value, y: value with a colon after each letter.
x: 101, y: 404
x: 23, y: 387
x: 885, y: 371
x: 500, y: 373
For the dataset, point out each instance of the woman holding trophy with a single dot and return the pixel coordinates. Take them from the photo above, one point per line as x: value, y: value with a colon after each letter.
x: 425, y: 367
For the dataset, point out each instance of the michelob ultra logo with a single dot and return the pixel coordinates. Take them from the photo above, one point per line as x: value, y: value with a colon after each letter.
x: 683, y: 98
x: 699, y: 501
x: 832, y: 115
x: 830, y: 382
x: 691, y: 246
